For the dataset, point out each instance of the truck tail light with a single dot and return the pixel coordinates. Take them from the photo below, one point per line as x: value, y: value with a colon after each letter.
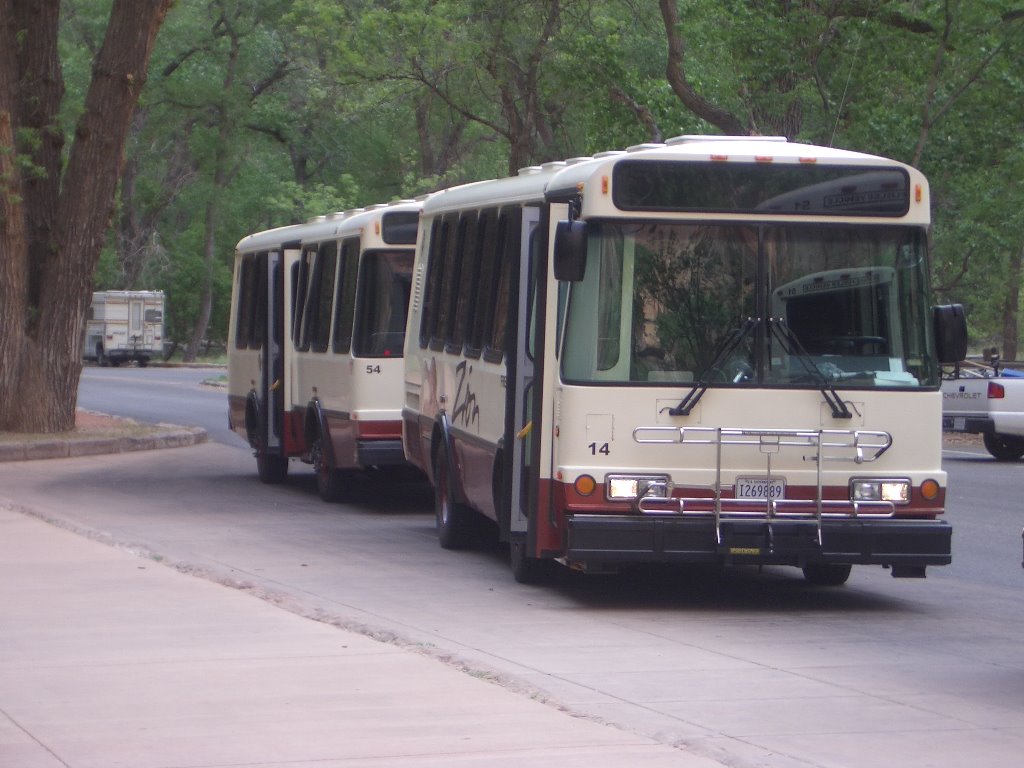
x: 996, y: 391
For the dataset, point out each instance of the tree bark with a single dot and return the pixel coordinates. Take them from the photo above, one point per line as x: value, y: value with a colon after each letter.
x: 53, y: 225
x: 1011, y: 305
x: 221, y: 179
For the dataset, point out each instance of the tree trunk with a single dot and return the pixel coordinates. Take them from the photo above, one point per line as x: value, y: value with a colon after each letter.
x: 221, y: 179
x: 206, y: 295
x: 1011, y: 305
x: 52, y: 228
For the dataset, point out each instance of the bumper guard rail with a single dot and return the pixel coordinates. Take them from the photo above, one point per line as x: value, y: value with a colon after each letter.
x: 854, y: 446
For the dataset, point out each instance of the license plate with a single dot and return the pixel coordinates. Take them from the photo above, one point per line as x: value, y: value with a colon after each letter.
x: 760, y: 488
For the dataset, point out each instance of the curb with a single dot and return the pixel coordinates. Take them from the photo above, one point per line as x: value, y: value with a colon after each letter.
x: 163, y: 436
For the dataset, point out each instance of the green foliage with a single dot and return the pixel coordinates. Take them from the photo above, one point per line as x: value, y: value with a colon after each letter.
x: 269, y: 112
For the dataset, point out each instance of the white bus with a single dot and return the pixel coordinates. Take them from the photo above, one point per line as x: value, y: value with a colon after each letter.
x: 315, y: 342
x: 720, y: 349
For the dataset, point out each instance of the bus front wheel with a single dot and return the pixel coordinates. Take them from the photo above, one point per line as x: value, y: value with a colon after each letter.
x: 526, y: 569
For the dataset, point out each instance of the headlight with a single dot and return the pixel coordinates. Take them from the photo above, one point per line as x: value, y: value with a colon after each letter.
x: 896, y: 491
x: 632, y: 487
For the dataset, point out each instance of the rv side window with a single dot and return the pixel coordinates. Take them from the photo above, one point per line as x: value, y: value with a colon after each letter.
x: 346, y: 295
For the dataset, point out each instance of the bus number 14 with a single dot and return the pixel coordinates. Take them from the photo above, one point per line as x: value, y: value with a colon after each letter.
x: 603, y: 449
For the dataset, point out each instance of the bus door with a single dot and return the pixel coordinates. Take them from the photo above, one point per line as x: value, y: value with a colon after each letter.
x: 271, y: 384
x: 520, y: 381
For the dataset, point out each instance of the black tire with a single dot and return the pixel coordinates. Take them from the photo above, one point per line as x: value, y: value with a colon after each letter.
x: 454, y: 521
x: 1004, y: 447
x: 827, y: 574
x: 273, y: 470
x: 329, y: 481
x: 526, y: 570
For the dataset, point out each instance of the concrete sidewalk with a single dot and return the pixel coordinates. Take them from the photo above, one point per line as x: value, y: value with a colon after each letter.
x: 109, y: 659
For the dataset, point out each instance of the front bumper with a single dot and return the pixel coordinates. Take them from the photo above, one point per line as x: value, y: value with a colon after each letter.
x: 663, y: 539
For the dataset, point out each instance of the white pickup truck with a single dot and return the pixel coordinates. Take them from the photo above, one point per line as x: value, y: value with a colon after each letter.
x: 980, y: 399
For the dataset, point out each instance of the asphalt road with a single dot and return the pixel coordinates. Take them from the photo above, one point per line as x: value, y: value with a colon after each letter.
x: 754, y: 668
x: 174, y: 395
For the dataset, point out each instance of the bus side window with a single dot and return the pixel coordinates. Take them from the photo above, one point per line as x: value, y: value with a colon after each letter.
x: 301, y: 334
x: 483, y: 294
x: 508, y: 255
x: 435, y: 268
x: 243, y: 319
x: 449, y: 281
x: 326, y: 265
x: 465, y: 291
x: 258, y: 315
x: 296, y: 271
x: 344, y: 302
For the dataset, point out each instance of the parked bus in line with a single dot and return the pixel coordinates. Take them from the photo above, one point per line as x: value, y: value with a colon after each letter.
x: 719, y: 349
x: 318, y: 315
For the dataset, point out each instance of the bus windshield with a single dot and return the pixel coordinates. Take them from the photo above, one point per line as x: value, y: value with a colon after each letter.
x: 751, y: 305
x: 385, y: 279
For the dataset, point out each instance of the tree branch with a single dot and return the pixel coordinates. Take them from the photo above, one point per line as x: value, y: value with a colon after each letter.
x: 676, y: 74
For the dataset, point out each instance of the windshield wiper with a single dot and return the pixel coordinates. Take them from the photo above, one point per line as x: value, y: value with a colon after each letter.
x: 794, y: 348
x: 700, y: 387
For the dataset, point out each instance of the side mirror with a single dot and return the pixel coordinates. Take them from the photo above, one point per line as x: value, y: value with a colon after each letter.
x: 950, y: 333
x: 570, y: 251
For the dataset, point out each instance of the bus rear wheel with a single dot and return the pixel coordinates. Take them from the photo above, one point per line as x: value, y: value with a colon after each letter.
x: 827, y: 574
x: 454, y: 520
x: 329, y: 481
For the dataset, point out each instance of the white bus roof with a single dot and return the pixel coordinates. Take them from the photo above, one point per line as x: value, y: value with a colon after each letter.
x: 533, y: 183
x: 324, y: 227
